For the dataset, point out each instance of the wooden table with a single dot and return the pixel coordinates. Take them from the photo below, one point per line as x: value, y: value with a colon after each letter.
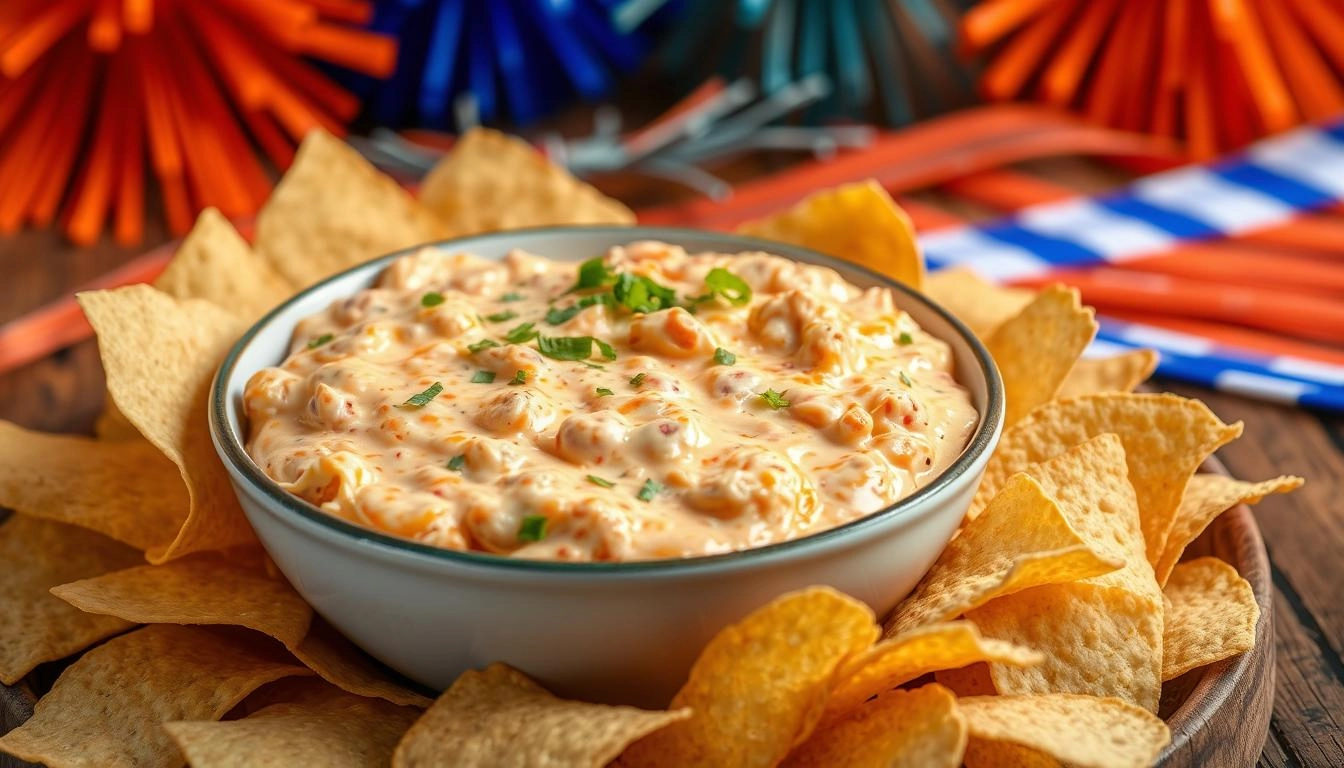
x: 1304, y: 531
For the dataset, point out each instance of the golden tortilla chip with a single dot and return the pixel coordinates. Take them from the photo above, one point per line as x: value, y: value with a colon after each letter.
x: 38, y: 555
x: 492, y: 181
x: 325, y: 726
x: 1205, y: 498
x: 333, y: 210
x: 1211, y: 616
x: 160, y: 354
x: 1021, y: 540
x: 916, y: 728
x: 113, y: 426
x: 215, y: 263
x: 107, y: 708
x: 497, y: 716
x: 1001, y: 754
x: 1036, y: 349
x: 970, y: 680
x: 981, y: 305
x: 858, y: 223
x: 1101, y: 635
x: 206, y: 589
x: 911, y: 654
x: 1084, y: 731
x: 127, y: 490
x: 1166, y: 437
x: 1118, y: 373
x: 761, y: 685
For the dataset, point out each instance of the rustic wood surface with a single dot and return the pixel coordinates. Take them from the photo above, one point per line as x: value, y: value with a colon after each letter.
x: 1303, y: 531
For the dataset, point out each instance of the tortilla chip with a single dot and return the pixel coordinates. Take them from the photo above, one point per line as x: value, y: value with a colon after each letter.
x: 1036, y: 349
x: 492, y: 181
x: 1211, y: 616
x: 1001, y: 754
x: 981, y: 305
x: 916, y: 728
x: 1205, y: 498
x: 497, y: 716
x: 1101, y: 635
x: 326, y: 727
x: 333, y: 210
x: 970, y: 680
x: 912, y: 654
x: 206, y: 589
x: 1166, y: 437
x: 1077, y: 730
x: 1118, y: 373
x: 859, y: 223
x: 1021, y: 540
x: 106, y: 708
x: 215, y: 263
x: 112, y: 425
x: 67, y: 478
x: 38, y: 555
x: 202, y: 589
x: 160, y: 354
x: 760, y: 686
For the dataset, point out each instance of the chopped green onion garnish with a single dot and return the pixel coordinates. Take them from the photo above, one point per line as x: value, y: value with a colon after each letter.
x: 604, y: 392
x: 519, y: 377
x: 648, y: 490
x: 500, y: 317
x: 637, y: 379
x: 573, y: 347
x: 774, y: 399
x: 593, y: 273
x: 906, y: 380
x: 641, y: 294
x: 595, y: 480
x: 723, y: 283
x: 431, y: 299
x: 557, y: 316
x: 456, y: 463
x: 533, y: 528
x: 905, y: 339
x: 724, y: 357
x: 521, y: 333
x: 482, y: 344
x: 483, y: 377
x: 511, y: 296
x: 421, y: 399
x: 320, y: 340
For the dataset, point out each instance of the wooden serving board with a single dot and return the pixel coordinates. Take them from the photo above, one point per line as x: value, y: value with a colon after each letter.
x: 1219, y: 714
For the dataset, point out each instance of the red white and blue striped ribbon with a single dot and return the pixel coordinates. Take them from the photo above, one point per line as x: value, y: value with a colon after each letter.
x: 1267, y: 184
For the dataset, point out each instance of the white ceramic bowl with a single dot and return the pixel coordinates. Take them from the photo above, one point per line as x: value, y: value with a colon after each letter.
x: 615, y: 632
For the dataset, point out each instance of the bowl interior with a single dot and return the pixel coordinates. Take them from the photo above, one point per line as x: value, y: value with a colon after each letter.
x: 267, y: 343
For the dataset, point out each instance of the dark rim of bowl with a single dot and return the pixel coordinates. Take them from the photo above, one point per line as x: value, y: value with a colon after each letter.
x: 979, y: 443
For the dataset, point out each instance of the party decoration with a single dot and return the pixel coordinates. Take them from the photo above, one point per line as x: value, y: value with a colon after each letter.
x: 465, y: 62
x: 886, y: 59
x: 1218, y: 73
x: 93, y: 90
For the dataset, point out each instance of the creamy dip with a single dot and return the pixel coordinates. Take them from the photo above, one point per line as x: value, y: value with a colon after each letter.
x: 649, y: 404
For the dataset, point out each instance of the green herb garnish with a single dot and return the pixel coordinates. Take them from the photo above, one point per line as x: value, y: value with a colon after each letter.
x: 320, y: 340
x: 519, y: 377
x: 604, y: 392
x: 533, y: 528
x: 905, y: 339
x: 595, y: 480
x: 521, y: 333
x: 721, y: 282
x: 456, y: 463
x: 593, y: 273
x: 511, y: 296
x: 774, y: 399
x: 637, y: 379
x: 431, y: 299
x: 483, y: 377
x: 482, y: 344
x: 641, y: 294
x: 555, y: 316
x: 724, y: 357
x: 421, y: 399
x: 906, y: 380
x: 573, y: 347
x: 500, y: 317
x: 648, y: 490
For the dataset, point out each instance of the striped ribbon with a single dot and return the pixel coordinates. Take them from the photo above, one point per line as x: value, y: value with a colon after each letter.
x: 1269, y: 183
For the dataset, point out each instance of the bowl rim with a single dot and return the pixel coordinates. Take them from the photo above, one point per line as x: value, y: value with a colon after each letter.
x: 232, y: 452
